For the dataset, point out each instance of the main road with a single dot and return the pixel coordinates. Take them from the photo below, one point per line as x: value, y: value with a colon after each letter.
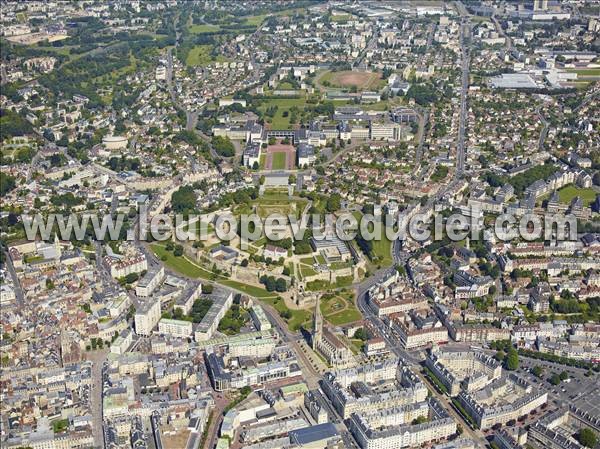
x: 460, y: 147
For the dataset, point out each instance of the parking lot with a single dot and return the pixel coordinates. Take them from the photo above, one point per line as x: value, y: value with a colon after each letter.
x: 578, y: 390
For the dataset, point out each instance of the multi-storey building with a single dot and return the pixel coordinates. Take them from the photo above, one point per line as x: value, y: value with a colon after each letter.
x: 147, y: 315
x: 175, y: 328
x: 150, y: 281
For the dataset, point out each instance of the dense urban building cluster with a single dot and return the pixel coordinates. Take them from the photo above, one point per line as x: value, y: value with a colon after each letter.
x: 463, y: 312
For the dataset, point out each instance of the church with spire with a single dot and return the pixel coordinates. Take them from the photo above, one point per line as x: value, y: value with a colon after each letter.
x: 329, y: 345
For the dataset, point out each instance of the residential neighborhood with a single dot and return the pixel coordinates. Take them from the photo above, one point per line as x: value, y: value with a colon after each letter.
x: 285, y: 224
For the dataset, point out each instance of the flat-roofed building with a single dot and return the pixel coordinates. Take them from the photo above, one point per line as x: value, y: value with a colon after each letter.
x: 175, y: 328
x: 150, y: 281
x: 385, y: 131
x: 222, y: 301
x: 190, y: 293
x: 259, y: 317
x: 147, y: 315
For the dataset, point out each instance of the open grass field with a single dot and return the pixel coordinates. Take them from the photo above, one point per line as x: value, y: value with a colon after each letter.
x: 248, y: 289
x: 203, y: 28
x: 180, y: 264
x: 341, y: 18
x: 278, y: 121
x: 298, y: 317
x: 586, y: 73
x: 356, y: 345
x: 360, y: 80
x: 280, y: 157
x: 339, y: 310
x: 307, y: 271
x: 255, y: 20
x: 279, y: 161
x: 567, y: 193
x: 201, y: 56
x: 381, y: 247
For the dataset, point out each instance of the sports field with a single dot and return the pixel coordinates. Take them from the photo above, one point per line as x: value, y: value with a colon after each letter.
x: 360, y: 80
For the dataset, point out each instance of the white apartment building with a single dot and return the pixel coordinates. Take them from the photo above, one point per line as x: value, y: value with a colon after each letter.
x: 209, y: 324
x: 122, y: 267
x: 147, y: 316
x: 259, y: 318
x: 385, y: 131
x: 175, y: 328
x: 150, y: 281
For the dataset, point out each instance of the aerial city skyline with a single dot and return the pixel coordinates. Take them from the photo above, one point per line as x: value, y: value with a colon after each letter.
x: 300, y: 224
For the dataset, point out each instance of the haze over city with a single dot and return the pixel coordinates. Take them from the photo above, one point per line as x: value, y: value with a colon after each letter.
x: 300, y: 224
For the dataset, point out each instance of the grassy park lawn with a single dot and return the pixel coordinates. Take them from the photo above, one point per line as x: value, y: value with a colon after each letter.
x: 203, y: 28
x: 340, y: 18
x: 263, y: 158
x: 356, y: 345
x: 255, y: 20
x: 297, y: 318
x: 586, y: 72
x: 60, y: 425
x: 344, y: 317
x: 180, y: 264
x: 278, y: 121
x: 340, y: 265
x: 201, y: 56
x: 338, y: 310
x: 320, y: 284
x: 279, y: 161
x: 306, y: 270
x: 381, y: 247
x: 343, y: 281
x: 186, y: 267
x: 566, y: 194
x: 379, y: 106
x: 251, y: 290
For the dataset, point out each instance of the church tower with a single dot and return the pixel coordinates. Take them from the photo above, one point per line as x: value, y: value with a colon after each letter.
x: 317, y: 325
x: 57, y: 247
